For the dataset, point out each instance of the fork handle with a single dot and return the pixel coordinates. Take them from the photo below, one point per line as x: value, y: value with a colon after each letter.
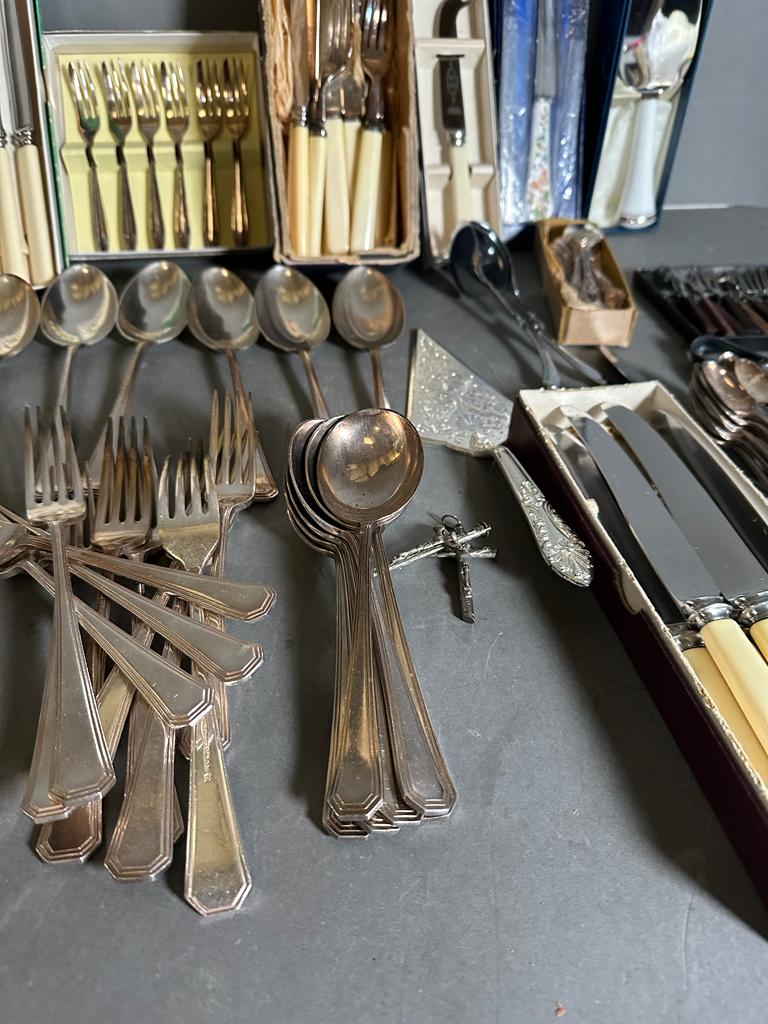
x: 366, y: 200
x: 180, y: 211
x: 318, y: 154
x: 156, y: 226
x: 98, y: 216
x: 239, y: 219
x: 127, y: 216
x: 211, y: 211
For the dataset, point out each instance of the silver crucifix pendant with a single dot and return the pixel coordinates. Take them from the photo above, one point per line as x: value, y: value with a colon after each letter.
x: 453, y: 541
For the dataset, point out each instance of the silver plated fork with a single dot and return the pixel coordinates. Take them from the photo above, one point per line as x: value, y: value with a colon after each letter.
x: 88, y: 122
x: 217, y: 877
x: 146, y: 96
x: 177, y: 122
x: 120, y: 120
x: 79, y: 763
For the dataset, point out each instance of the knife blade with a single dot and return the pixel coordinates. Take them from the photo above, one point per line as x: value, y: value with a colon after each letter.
x: 691, y: 647
x: 741, y: 578
x: 452, y: 109
x: 299, y: 61
x: 676, y: 563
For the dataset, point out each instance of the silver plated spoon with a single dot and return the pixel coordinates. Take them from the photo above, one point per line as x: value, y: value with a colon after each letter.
x: 19, y: 314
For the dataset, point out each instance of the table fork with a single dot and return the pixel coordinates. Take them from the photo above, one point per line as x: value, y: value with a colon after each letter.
x: 376, y: 55
x: 80, y: 766
x: 146, y: 96
x: 88, y: 122
x: 237, y: 113
x: 177, y: 123
x: 209, y: 120
x: 217, y: 876
x: 120, y: 120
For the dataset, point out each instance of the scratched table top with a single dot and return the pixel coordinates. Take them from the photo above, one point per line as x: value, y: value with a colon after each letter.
x: 582, y: 867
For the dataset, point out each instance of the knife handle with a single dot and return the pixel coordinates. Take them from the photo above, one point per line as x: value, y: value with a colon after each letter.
x: 539, y: 185
x: 366, y: 200
x: 558, y: 545
x: 12, y: 246
x: 759, y: 633
x: 336, y: 227
x: 29, y: 175
x: 318, y: 164
x: 460, y: 185
x: 744, y: 670
x: 638, y: 203
x: 711, y: 679
x: 298, y: 188
x: 352, y: 129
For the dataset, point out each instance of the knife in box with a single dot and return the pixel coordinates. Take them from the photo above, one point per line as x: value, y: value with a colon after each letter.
x: 682, y: 572
x: 592, y: 485
x: 454, y: 122
x: 740, y: 576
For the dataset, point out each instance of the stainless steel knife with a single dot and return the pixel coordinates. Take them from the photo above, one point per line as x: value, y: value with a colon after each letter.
x: 539, y: 188
x: 452, y: 109
x: 592, y: 485
x: 298, y: 139
x: 741, y: 578
x: 681, y: 570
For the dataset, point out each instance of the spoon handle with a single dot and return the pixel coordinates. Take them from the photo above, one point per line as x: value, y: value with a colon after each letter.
x: 355, y: 793
x: 319, y: 405
x: 382, y: 401
x: 558, y: 545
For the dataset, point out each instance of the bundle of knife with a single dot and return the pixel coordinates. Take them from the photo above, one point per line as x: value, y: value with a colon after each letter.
x: 342, y: 154
x: 692, y: 540
x: 26, y: 247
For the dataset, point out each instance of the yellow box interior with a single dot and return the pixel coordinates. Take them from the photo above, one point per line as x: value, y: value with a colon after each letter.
x: 79, y: 226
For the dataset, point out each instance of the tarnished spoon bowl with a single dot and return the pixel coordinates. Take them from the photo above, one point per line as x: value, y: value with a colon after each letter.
x: 19, y: 314
x: 369, y: 466
x: 153, y: 307
x: 79, y: 308
x: 368, y: 310
x: 222, y: 311
x: 292, y: 313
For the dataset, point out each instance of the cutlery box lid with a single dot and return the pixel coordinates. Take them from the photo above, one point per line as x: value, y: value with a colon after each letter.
x: 474, y: 49
x: 609, y: 21
x: 71, y: 165
x: 736, y: 786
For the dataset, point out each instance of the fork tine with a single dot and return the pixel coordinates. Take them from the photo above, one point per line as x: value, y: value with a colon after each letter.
x: 367, y: 20
x: 180, y: 497
x: 73, y: 467
x: 132, y: 511
x: 385, y: 27
x: 162, y: 506
x: 211, y: 501
x: 226, y: 448
x: 29, y: 461
x: 215, y: 433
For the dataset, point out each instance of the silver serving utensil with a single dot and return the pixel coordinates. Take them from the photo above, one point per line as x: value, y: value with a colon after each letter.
x: 19, y: 314
x: 293, y: 316
x: 660, y: 45
x: 152, y: 311
x: 368, y: 312
x: 451, y: 406
x: 539, y: 184
x: 79, y: 308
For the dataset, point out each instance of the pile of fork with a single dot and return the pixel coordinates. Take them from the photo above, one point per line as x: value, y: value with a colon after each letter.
x: 342, y: 158
x: 174, y: 686
x: 149, y: 96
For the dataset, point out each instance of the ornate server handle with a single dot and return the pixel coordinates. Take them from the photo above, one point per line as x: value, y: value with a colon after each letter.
x: 559, y: 546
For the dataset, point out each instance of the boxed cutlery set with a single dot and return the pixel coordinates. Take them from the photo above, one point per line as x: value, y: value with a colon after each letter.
x: 679, y: 571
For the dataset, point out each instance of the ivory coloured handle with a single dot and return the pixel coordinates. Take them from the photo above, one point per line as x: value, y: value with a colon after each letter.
x: 29, y: 175
x: 743, y: 668
x: 336, y: 190
x: 318, y: 153
x: 759, y: 633
x: 298, y: 188
x: 366, y: 199
x: 711, y: 678
x: 460, y: 185
x: 13, y: 259
x: 639, y: 198
x: 352, y: 130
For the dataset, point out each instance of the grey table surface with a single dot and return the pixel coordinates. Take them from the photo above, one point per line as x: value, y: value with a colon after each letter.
x: 582, y: 865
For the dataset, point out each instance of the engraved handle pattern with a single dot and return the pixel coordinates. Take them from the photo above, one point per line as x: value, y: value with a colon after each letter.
x: 127, y: 215
x: 558, y: 545
x: 180, y: 211
x: 539, y: 186
x: 98, y: 216
x: 211, y: 208
x: 239, y: 217
x: 156, y: 225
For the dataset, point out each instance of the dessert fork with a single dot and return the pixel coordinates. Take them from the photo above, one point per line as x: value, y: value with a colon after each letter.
x: 120, y: 120
x: 177, y: 123
x: 209, y: 117
x: 217, y: 877
x: 376, y: 55
x: 146, y: 96
x: 80, y: 766
x: 237, y: 113
x: 88, y: 122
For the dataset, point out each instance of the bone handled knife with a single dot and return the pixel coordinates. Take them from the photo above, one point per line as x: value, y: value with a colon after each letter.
x: 682, y: 572
x: 454, y: 122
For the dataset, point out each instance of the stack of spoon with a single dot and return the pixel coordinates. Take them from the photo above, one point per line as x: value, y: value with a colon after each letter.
x: 346, y: 478
x: 730, y: 396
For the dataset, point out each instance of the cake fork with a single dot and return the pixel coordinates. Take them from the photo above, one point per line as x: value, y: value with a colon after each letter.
x: 88, y: 122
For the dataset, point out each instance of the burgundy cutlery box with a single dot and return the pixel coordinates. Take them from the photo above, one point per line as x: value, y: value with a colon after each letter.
x: 732, y: 772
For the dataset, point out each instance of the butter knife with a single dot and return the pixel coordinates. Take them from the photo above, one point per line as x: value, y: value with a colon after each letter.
x: 298, y: 137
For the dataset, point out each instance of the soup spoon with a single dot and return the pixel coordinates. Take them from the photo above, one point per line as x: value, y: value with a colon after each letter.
x: 19, y: 314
